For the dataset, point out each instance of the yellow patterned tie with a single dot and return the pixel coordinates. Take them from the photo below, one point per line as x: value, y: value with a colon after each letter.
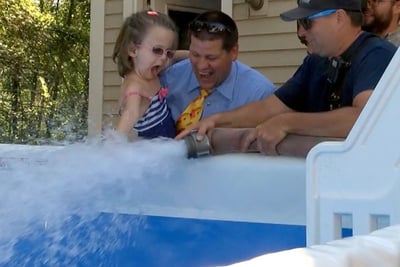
x: 193, y: 111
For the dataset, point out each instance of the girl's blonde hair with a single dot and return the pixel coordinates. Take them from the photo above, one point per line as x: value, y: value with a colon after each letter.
x: 133, y: 31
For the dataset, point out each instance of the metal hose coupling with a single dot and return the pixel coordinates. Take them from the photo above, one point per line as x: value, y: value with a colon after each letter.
x: 197, y: 148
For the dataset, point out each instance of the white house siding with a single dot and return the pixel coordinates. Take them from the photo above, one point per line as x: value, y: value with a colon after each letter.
x: 112, y: 81
x: 267, y: 43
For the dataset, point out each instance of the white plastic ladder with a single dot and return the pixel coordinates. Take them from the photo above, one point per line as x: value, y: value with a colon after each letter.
x: 360, y: 177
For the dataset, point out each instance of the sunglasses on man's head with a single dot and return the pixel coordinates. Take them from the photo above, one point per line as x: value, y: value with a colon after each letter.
x: 306, y: 23
x: 210, y: 27
x: 159, y: 51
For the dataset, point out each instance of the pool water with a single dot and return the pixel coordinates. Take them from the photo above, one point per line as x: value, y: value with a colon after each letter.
x: 134, y: 240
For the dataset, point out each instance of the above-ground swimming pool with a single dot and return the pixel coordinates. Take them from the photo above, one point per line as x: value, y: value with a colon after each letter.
x: 145, y: 204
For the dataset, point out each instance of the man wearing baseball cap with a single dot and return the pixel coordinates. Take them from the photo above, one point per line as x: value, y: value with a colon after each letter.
x: 307, y: 8
x: 325, y: 96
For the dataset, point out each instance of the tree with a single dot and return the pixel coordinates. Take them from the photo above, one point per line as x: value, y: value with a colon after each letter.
x: 44, y: 52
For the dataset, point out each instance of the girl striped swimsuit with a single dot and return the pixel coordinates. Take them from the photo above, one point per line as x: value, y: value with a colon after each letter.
x: 157, y: 121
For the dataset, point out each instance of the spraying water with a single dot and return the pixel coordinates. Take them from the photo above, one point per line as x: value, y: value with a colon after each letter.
x: 139, y: 204
x: 53, y: 198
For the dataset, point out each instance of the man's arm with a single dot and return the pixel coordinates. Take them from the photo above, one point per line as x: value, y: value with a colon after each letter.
x: 335, y: 123
x: 330, y: 124
x: 252, y: 114
x: 247, y: 116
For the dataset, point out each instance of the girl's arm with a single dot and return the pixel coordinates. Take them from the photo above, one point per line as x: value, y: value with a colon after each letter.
x: 130, y: 114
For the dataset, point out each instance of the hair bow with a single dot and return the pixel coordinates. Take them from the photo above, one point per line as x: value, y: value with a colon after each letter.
x: 152, y: 13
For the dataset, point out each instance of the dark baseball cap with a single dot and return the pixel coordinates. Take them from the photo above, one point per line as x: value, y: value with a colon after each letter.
x: 307, y: 8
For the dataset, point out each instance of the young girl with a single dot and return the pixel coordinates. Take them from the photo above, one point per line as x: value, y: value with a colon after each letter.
x: 145, y: 46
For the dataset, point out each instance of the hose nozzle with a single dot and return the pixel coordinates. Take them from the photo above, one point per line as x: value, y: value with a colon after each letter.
x: 197, y: 148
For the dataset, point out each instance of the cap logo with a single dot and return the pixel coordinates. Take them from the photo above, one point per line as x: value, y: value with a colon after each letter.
x: 305, y: 2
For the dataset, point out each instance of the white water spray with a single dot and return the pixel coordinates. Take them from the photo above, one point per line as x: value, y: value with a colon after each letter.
x: 56, y: 192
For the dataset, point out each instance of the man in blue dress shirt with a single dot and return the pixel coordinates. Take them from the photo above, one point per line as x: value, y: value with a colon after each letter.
x: 212, y: 65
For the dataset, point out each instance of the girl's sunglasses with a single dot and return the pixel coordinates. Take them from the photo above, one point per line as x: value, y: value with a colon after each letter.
x: 159, y: 51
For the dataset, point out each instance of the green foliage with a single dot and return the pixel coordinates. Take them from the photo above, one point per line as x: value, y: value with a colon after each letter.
x: 44, y: 70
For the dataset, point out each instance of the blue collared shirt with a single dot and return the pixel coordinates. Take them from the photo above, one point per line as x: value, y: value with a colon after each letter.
x: 243, y: 85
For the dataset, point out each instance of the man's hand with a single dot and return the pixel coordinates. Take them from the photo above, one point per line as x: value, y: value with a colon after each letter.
x: 269, y: 134
x: 202, y: 127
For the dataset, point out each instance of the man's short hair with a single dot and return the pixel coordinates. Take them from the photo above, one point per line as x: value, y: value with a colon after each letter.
x: 214, y: 25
